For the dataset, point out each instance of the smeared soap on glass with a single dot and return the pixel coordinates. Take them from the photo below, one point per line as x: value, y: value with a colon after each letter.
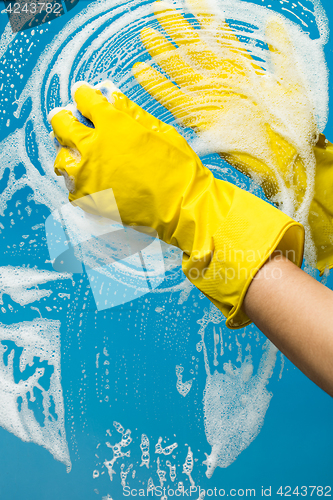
x: 103, y: 42
x: 37, y: 344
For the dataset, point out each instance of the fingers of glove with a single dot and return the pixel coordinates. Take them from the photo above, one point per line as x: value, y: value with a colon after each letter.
x: 222, y: 34
x: 281, y: 52
x: 122, y: 103
x: 161, y: 89
x: 125, y: 105
x: 67, y: 129
x: 210, y: 22
x: 91, y: 102
x: 168, y: 58
x: 183, y: 34
x: 174, y: 24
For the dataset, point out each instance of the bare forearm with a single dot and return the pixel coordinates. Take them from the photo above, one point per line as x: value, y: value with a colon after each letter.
x: 296, y: 313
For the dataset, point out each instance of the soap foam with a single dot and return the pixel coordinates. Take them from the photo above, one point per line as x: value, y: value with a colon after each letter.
x: 77, y: 53
x: 39, y: 338
x: 235, y: 400
x: 21, y: 283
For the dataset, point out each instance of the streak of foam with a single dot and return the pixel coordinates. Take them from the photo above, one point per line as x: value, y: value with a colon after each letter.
x: 21, y: 283
x: 235, y: 405
x: 103, y: 42
x: 144, y: 446
x: 164, y: 451
x: 235, y: 401
x: 182, y: 387
x: 39, y: 338
x: 188, y: 466
x: 172, y: 470
x: 126, y: 440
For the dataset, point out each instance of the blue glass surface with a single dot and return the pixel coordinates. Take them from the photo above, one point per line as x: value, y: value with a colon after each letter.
x: 141, y: 343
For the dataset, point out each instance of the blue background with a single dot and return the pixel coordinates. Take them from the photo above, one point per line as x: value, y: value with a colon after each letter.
x: 293, y: 448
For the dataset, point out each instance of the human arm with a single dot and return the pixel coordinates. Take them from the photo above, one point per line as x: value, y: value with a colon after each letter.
x: 296, y: 313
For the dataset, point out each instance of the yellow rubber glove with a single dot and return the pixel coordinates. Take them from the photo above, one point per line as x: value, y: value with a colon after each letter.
x: 321, y: 209
x: 158, y: 181
x: 263, y: 124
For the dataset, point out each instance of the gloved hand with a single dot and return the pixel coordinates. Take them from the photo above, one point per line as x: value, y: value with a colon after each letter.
x: 262, y: 124
x: 158, y: 181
